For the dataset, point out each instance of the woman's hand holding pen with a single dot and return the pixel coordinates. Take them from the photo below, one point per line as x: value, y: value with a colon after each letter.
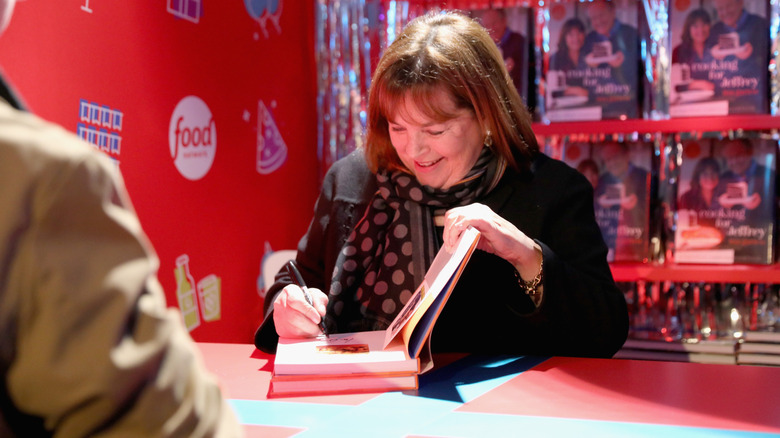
x: 294, y: 317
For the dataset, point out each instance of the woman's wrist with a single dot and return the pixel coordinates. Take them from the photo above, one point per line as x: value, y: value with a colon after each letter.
x: 532, y: 287
x: 529, y: 266
x: 529, y: 272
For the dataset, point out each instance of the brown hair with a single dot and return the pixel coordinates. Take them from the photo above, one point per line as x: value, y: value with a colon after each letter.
x: 694, y: 16
x: 449, y: 51
x: 568, y: 26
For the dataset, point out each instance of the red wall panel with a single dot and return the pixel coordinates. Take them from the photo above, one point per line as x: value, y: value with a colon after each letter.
x: 130, y: 63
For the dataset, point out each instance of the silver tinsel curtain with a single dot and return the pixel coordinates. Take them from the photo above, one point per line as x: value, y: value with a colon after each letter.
x: 350, y: 36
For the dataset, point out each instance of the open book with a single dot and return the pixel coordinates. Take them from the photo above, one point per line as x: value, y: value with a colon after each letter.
x: 382, y: 360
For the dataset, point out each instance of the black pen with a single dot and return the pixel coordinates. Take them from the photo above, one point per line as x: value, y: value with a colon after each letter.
x: 292, y: 268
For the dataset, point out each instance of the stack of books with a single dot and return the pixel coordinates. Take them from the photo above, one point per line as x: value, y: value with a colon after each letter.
x: 759, y: 348
x: 374, y: 361
x: 720, y: 351
x: 342, y: 363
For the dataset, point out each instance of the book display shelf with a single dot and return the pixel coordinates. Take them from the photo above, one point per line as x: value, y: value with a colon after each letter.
x: 736, y: 123
x: 664, y: 326
x: 689, y: 126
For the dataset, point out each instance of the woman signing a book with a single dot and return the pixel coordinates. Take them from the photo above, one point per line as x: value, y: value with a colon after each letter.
x: 449, y: 145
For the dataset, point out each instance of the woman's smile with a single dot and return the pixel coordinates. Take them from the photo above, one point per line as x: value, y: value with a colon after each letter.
x: 438, y: 152
x: 427, y: 164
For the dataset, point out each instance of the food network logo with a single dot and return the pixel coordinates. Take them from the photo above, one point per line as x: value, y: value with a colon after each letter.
x: 192, y: 137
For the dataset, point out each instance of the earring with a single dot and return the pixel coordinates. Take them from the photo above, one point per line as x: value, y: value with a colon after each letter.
x: 488, y: 139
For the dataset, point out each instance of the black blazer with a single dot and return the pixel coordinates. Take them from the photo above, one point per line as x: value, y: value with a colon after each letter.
x: 582, y: 313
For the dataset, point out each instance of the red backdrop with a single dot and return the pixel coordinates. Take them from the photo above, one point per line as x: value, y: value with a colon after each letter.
x: 115, y: 71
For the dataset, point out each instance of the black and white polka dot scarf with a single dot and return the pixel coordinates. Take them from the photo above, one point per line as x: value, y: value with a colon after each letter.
x: 388, y: 252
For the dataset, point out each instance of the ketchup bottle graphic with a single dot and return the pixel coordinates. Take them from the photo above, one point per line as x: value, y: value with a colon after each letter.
x: 185, y: 292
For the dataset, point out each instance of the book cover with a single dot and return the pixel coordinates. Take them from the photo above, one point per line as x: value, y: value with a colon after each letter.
x: 621, y: 198
x: 581, y: 156
x: 509, y: 28
x: 720, y: 57
x: 398, y: 349
x: 592, y: 69
x: 726, y: 202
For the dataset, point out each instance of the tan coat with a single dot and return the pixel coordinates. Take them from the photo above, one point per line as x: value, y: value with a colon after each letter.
x: 87, y: 345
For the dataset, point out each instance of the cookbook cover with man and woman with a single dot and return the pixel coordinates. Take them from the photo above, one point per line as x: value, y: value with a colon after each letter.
x: 726, y: 201
x: 593, y: 60
x: 720, y: 57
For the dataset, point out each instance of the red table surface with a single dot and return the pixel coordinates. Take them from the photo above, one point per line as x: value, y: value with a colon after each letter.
x: 735, y: 397
x: 685, y: 394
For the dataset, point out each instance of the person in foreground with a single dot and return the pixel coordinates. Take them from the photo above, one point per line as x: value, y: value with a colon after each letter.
x: 449, y: 145
x: 88, y: 347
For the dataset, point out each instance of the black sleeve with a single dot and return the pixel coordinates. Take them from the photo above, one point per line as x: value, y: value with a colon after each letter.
x: 583, y: 313
x: 347, y: 186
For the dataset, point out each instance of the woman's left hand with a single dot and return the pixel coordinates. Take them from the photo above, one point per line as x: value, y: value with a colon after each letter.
x: 498, y: 236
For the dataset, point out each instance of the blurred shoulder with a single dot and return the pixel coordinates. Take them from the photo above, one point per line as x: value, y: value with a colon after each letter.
x: 349, y: 178
x: 554, y: 172
x: 30, y: 146
x: 355, y: 161
x: 545, y: 164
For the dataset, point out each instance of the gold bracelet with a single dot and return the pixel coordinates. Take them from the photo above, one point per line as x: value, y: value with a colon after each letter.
x: 531, y: 287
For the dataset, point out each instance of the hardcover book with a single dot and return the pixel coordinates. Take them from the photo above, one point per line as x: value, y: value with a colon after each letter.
x: 343, y: 353
x: 758, y: 359
x: 593, y: 68
x: 720, y: 58
x: 726, y: 202
x: 719, y: 346
x: 307, y: 385
x: 762, y: 336
x: 677, y: 356
x: 384, y: 360
x: 620, y: 175
x: 759, y: 348
x: 717, y: 351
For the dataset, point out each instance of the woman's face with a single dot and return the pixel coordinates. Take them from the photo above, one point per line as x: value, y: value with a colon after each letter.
x: 575, y: 39
x: 592, y: 176
x: 709, y: 178
x: 439, y: 154
x: 700, y: 31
